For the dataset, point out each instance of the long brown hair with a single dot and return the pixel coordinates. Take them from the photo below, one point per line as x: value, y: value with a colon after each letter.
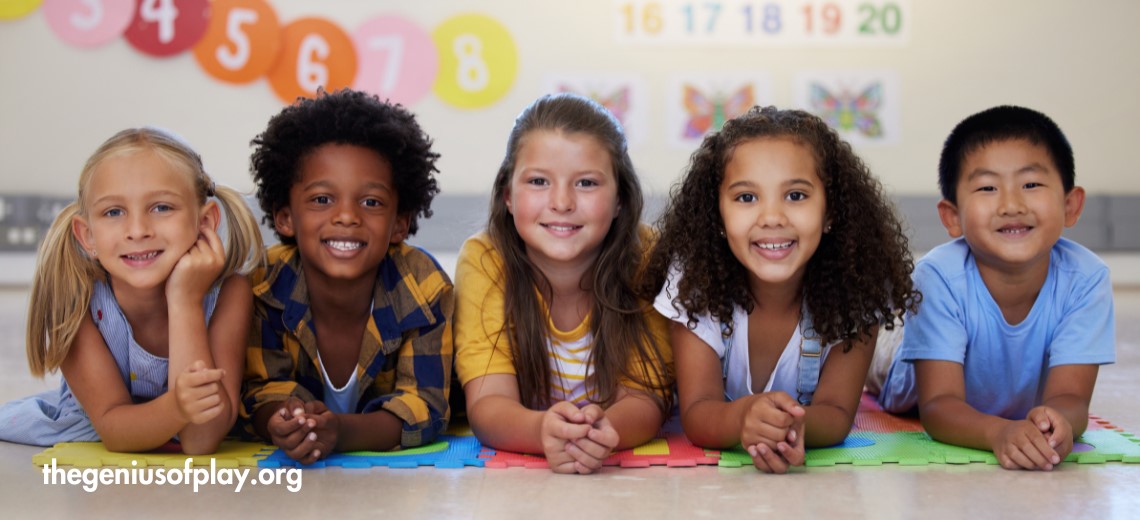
x: 65, y: 276
x: 617, y: 319
x: 858, y: 278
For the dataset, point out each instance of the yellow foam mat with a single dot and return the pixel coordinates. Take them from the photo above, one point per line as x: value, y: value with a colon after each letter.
x: 231, y: 454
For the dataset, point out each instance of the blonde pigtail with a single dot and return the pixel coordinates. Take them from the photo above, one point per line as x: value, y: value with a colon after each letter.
x: 61, y: 292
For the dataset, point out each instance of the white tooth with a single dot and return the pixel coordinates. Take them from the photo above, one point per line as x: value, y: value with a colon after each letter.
x: 344, y: 245
x: 775, y: 246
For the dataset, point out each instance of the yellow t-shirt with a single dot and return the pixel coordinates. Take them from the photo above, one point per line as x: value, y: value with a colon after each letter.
x: 482, y: 346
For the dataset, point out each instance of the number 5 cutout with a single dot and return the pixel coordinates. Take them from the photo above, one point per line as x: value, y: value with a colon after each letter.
x: 396, y: 59
x: 88, y: 23
x: 242, y: 41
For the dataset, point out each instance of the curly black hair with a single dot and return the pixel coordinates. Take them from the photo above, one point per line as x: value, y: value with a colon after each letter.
x: 1003, y: 123
x: 344, y: 117
x: 858, y: 278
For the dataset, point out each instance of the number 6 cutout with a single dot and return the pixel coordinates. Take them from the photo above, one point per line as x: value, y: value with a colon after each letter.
x: 396, y: 59
x: 242, y: 41
x: 314, y: 53
x: 88, y: 23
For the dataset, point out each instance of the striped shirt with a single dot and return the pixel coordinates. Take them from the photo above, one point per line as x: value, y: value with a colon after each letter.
x: 404, y: 365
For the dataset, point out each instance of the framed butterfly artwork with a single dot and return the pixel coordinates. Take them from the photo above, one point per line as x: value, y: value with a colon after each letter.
x: 623, y: 95
x: 702, y: 104
x: 862, y: 106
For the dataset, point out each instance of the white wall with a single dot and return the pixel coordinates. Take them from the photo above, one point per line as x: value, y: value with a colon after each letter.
x: 1071, y: 59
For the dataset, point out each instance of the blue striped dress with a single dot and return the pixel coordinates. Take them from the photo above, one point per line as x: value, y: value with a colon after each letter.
x: 55, y: 416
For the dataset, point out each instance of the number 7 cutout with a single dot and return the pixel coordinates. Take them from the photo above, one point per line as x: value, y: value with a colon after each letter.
x: 396, y: 59
x: 242, y: 41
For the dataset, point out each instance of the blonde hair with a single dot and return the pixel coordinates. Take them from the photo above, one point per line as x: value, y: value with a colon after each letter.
x: 65, y: 276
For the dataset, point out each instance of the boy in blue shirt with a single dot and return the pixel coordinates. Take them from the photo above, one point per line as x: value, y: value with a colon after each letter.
x: 1015, y: 320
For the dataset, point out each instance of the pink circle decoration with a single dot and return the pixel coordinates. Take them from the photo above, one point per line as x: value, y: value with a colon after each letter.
x: 396, y: 59
x: 88, y: 23
x: 164, y: 28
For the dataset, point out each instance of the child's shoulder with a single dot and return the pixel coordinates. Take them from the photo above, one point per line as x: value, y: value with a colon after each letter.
x: 948, y: 260
x: 1076, y: 258
x: 411, y: 263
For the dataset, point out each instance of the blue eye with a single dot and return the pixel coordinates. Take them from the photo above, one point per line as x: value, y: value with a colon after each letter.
x: 162, y: 208
x: 113, y: 212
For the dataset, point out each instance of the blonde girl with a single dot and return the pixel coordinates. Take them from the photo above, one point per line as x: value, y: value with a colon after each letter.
x: 139, y: 304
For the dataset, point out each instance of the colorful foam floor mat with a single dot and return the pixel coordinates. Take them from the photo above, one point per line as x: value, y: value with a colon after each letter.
x: 877, y: 438
x: 880, y: 438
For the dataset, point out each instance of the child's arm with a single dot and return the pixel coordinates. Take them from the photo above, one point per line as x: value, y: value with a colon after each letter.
x: 707, y: 418
x: 499, y: 419
x: 948, y: 418
x: 1064, y: 412
x: 829, y: 417
x: 194, y: 349
x: 635, y: 417
x: 94, y: 378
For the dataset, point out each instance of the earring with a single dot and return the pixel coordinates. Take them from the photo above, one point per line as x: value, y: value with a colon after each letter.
x: 722, y: 235
x: 827, y: 229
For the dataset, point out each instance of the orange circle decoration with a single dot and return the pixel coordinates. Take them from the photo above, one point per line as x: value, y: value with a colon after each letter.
x: 315, y: 52
x: 164, y: 28
x: 242, y: 41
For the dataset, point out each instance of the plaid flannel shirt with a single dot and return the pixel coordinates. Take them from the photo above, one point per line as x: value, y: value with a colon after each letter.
x: 405, y: 356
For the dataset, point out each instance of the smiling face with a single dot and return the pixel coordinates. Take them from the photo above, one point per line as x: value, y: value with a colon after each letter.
x: 774, y: 206
x: 342, y: 212
x: 1012, y: 206
x: 141, y: 216
x: 563, y: 197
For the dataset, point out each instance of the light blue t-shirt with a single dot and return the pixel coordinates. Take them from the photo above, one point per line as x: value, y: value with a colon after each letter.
x: 1005, y: 366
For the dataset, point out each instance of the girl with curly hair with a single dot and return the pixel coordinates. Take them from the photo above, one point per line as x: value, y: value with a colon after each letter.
x: 777, y: 247
x: 556, y: 353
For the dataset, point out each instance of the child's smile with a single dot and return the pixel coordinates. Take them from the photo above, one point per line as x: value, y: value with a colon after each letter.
x: 343, y: 213
x: 773, y: 206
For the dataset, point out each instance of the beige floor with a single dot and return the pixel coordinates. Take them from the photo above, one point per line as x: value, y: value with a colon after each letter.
x: 1106, y: 491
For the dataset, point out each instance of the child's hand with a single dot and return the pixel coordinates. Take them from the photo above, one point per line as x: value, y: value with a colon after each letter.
x: 288, y: 428
x: 1056, y: 428
x: 561, y: 424
x: 326, y: 426
x: 197, y: 391
x: 198, y: 267
x: 590, y: 452
x: 1022, y: 445
x: 773, y: 432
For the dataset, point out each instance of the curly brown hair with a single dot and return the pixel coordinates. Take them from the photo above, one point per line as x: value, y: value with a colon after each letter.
x: 858, y: 278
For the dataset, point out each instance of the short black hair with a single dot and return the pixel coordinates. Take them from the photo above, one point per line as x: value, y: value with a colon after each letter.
x: 344, y: 117
x: 1003, y: 123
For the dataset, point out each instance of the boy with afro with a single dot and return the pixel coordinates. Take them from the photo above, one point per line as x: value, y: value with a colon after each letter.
x: 351, y: 346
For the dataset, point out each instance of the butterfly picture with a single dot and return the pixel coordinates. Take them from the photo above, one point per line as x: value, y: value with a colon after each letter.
x: 706, y: 113
x: 847, y: 112
x: 616, y: 102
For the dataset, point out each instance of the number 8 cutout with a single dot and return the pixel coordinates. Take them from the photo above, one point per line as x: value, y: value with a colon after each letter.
x: 164, y: 28
x: 88, y: 23
x: 478, y: 61
x: 242, y: 42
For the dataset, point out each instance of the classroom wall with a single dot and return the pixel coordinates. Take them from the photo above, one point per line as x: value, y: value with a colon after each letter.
x: 1073, y: 60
